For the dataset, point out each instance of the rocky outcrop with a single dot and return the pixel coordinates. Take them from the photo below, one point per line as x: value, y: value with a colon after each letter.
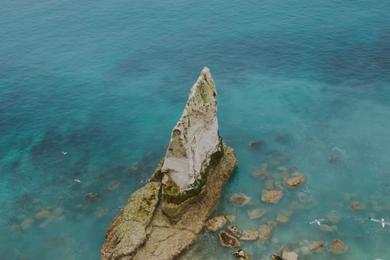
x: 130, y: 229
x: 164, y: 217
x: 195, y: 144
x: 228, y: 240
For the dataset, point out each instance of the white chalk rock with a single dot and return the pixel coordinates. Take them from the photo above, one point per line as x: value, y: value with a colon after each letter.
x: 195, y: 138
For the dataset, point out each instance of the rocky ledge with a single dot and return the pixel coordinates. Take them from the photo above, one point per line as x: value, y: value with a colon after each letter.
x: 164, y: 217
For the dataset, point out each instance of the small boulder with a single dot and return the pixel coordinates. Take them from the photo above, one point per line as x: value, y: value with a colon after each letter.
x: 263, y: 172
x: 234, y: 230
x: 295, y: 180
x: 227, y: 240
x: 250, y: 235
x: 316, y: 246
x: 282, y: 217
x: 271, y: 196
x: 256, y: 145
x: 289, y: 255
x: 356, y: 205
x: 338, y: 247
x: 327, y: 228
x: 241, y: 255
x: 91, y: 197
x: 265, y: 232
x: 239, y: 199
x: 215, y: 223
x: 256, y: 213
x: 42, y: 214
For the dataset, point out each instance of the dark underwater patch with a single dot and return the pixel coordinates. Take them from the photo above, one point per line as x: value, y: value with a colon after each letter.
x: 48, y: 151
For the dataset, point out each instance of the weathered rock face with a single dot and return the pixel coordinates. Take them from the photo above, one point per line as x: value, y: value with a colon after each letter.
x: 194, y: 143
x: 129, y: 230
x: 164, y: 217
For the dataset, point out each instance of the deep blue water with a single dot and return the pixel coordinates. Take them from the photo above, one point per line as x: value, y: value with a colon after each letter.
x: 90, y: 90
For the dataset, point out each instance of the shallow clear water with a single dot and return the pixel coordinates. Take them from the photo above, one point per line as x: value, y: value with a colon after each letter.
x: 90, y: 90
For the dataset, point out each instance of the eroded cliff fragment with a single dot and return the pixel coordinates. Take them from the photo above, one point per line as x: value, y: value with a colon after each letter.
x: 164, y: 217
x: 195, y: 144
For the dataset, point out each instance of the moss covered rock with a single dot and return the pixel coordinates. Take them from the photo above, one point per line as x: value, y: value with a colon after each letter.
x: 129, y: 230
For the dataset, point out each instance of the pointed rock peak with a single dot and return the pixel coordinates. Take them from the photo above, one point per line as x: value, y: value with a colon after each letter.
x: 205, y: 75
x: 203, y: 94
x: 195, y: 137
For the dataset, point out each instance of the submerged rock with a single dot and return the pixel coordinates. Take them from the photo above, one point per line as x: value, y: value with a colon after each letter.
x: 250, y: 235
x: 48, y: 215
x: 271, y: 196
x: 316, y: 246
x: 26, y: 224
x: 256, y: 145
x: 262, y: 172
x: 327, y: 228
x: 228, y: 240
x: 256, y: 213
x: 283, y: 217
x: 356, y: 205
x: 265, y: 231
x: 338, y: 247
x: 289, y: 255
x: 295, y: 180
x: 91, y: 197
x: 42, y: 214
x: 239, y: 199
x: 308, y: 247
x: 164, y: 217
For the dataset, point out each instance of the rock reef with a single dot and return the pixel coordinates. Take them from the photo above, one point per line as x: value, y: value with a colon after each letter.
x: 164, y: 217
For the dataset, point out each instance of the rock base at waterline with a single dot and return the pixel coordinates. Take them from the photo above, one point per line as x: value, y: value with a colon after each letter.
x: 143, y: 231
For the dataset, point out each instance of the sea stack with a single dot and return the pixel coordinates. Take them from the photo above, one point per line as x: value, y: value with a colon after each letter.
x: 164, y: 217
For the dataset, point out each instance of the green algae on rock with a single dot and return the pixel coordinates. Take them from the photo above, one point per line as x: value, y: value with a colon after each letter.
x: 129, y: 230
x: 163, y: 218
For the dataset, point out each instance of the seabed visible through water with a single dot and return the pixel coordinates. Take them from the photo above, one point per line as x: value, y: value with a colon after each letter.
x: 90, y: 91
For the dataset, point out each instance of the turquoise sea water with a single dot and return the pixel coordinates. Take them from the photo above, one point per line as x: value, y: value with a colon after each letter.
x: 90, y: 90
